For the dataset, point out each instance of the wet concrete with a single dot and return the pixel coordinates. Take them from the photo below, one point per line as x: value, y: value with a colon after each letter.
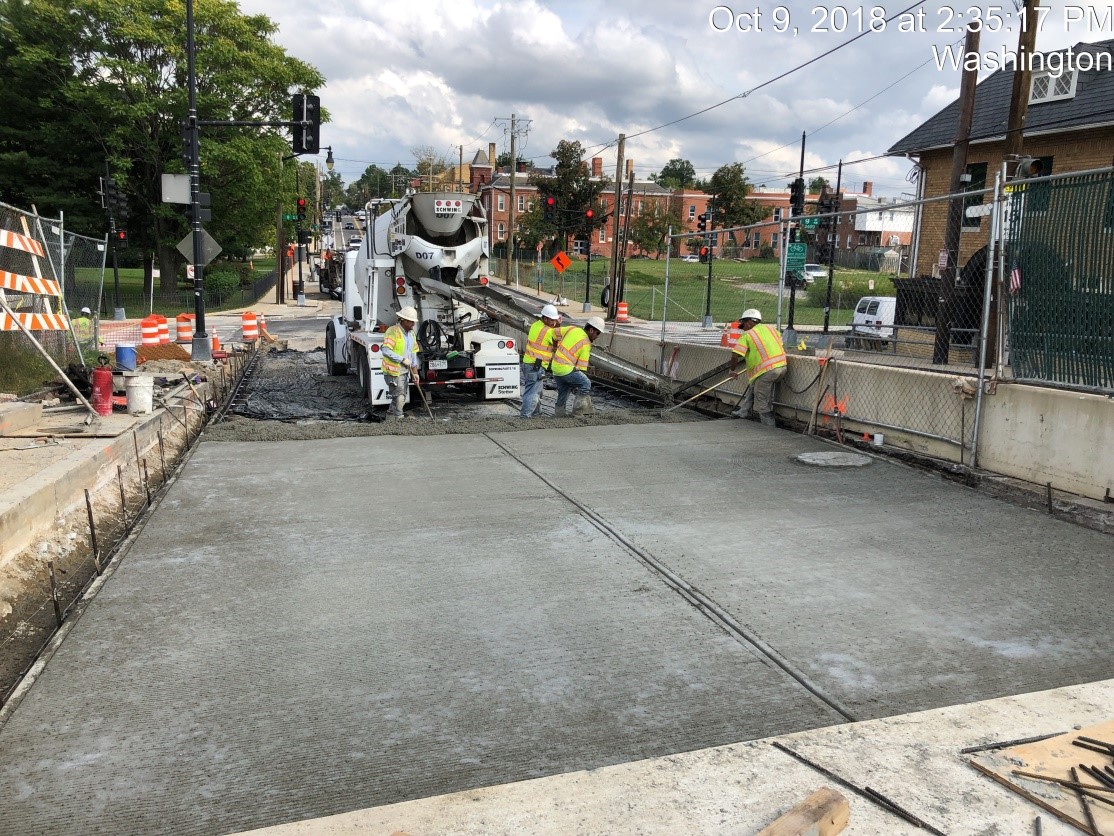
x: 313, y: 627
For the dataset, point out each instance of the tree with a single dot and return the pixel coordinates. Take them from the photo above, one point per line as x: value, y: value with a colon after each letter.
x: 677, y: 174
x: 120, y: 95
x: 650, y: 228
x: 428, y: 163
x: 729, y: 189
x: 575, y: 191
x: 816, y: 184
x: 504, y: 159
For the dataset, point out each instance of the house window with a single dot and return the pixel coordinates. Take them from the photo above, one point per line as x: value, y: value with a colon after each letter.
x: 1048, y: 88
x: 502, y: 231
x: 1108, y: 213
x: 777, y: 213
x: 502, y: 204
x: 521, y: 203
x: 692, y: 211
x: 757, y: 240
x: 639, y: 211
x: 976, y: 173
x: 603, y: 235
x: 862, y: 238
x: 773, y: 240
x: 850, y: 242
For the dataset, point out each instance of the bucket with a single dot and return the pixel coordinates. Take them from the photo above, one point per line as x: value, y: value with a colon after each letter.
x: 125, y: 356
x: 141, y: 390
x: 879, y: 439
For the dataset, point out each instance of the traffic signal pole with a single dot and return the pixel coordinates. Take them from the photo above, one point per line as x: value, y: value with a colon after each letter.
x: 708, y: 244
x: 201, y: 348
x: 831, y: 250
x: 797, y: 208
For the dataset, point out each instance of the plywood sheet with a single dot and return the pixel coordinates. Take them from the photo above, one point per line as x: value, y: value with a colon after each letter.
x: 1054, y: 757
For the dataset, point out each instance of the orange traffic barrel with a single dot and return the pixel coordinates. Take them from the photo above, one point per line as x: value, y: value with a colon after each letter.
x: 149, y: 330
x: 183, y: 327
x: 164, y: 329
x: 730, y: 335
x: 250, y: 324
x: 622, y: 313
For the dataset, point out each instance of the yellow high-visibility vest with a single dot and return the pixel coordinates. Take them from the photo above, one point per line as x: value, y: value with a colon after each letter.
x: 395, y: 341
x: 573, y: 351
x: 762, y: 349
x: 541, y: 342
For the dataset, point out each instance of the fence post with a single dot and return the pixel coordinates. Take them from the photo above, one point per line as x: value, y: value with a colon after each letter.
x: 995, y: 220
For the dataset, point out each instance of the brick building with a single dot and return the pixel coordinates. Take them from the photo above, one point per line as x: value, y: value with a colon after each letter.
x: 1069, y: 127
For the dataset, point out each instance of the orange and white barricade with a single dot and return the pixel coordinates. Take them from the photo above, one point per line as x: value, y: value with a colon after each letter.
x: 183, y: 327
x: 164, y: 329
x: 149, y: 330
x: 250, y: 325
x: 622, y: 312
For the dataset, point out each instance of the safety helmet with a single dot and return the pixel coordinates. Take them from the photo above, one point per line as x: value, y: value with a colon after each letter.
x: 752, y: 313
x: 86, y: 311
x: 550, y: 312
x: 595, y: 322
x: 408, y: 313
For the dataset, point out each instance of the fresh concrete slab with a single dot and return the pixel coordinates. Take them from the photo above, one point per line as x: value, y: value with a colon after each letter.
x: 309, y: 628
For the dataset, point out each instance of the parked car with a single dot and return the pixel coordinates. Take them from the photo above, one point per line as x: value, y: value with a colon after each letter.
x: 815, y: 271
x: 691, y: 259
x: 873, y: 322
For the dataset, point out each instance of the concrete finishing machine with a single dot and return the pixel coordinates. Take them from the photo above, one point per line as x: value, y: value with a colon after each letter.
x: 424, y: 250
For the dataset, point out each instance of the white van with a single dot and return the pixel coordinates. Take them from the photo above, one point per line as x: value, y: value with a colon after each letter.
x: 873, y: 320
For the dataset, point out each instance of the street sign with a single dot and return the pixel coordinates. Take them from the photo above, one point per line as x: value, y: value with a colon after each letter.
x: 795, y: 257
x: 210, y: 249
x: 289, y: 216
x: 561, y: 262
x: 810, y: 224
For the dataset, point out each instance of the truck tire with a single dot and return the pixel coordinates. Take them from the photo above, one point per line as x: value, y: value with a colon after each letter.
x: 334, y: 368
x: 363, y: 375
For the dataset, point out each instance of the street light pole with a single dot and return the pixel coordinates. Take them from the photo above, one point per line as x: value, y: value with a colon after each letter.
x: 708, y: 239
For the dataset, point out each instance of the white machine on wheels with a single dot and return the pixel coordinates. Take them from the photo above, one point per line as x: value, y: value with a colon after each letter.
x: 423, y: 250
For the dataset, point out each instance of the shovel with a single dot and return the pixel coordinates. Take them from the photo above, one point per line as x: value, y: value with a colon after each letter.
x: 425, y: 402
x: 697, y: 395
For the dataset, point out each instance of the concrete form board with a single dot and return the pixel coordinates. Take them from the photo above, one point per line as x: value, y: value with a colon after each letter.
x: 314, y: 627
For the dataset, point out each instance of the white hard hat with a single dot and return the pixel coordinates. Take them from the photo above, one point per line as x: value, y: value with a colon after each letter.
x: 595, y: 322
x: 550, y: 312
x: 86, y: 311
x: 752, y: 313
x: 408, y: 313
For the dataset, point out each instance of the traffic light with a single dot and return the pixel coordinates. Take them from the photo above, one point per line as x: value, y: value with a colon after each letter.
x: 121, y: 239
x: 187, y: 144
x: 797, y: 197
x: 307, y: 124
x: 588, y: 215
x: 701, y: 222
x: 549, y: 210
x: 301, y: 209
x: 108, y: 192
x: 1028, y: 167
x: 705, y: 254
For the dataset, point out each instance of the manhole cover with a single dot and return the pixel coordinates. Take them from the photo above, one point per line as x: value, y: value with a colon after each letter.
x: 834, y: 458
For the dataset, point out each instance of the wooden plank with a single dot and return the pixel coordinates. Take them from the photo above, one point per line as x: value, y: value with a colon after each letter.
x: 1054, y: 757
x: 824, y: 813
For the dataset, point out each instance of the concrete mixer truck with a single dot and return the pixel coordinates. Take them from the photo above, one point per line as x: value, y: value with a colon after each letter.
x: 424, y: 250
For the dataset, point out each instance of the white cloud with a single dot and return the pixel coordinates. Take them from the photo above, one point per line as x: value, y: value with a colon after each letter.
x: 405, y: 73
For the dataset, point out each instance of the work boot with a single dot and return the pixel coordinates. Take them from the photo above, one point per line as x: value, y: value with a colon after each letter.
x: 583, y: 406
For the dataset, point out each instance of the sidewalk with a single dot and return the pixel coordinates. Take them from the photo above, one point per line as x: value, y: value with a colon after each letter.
x: 913, y: 760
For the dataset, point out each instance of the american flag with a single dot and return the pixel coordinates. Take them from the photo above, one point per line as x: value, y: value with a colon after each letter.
x: 1015, y: 280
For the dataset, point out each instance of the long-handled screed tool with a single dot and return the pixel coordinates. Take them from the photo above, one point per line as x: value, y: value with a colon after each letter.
x: 697, y: 395
x: 425, y: 402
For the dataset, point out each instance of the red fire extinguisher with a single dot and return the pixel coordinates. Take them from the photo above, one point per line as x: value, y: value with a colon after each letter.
x: 102, y: 386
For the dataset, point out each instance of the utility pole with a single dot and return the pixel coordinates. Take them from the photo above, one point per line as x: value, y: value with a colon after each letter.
x: 612, y: 299
x: 941, y: 345
x: 514, y: 176
x: 1022, y: 78
x: 201, y: 348
x: 459, y: 167
x: 620, y: 284
x: 708, y: 239
x: 831, y: 249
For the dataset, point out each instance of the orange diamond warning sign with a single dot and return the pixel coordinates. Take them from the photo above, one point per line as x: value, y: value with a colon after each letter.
x: 561, y: 261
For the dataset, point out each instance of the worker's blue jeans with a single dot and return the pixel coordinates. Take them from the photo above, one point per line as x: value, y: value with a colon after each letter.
x: 572, y: 382
x: 531, y: 389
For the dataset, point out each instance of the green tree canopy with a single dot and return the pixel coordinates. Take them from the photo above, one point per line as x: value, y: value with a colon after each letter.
x: 729, y: 189
x: 109, y: 80
x: 574, y: 189
x: 650, y: 227
x: 677, y: 174
x: 816, y: 184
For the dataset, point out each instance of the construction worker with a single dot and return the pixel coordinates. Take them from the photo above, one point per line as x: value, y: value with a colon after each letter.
x: 541, y: 342
x: 761, y: 348
x: 400, y: 359
x: 570, y: 362
x: 83, y: 329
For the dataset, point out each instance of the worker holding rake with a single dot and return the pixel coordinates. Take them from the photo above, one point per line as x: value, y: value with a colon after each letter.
x: 761, y: 349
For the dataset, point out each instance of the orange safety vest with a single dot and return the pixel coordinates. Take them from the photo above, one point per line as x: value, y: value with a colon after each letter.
x: 541, y: 342
x: 573, y: 351
x: 762, y: 349
x: 395, y: 341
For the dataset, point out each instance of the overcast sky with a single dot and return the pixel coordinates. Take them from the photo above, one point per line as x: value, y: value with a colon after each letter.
x: 446, y: 73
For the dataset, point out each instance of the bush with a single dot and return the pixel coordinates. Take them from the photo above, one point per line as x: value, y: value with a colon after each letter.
x: 222, y: 281
x: 767, y: 252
